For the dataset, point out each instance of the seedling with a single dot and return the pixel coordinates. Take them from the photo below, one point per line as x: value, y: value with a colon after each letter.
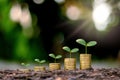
x: 55, y: 57
x: 40, y: 61
x: 74, y: 50
x: 25, y: 65
x: 84, y: 43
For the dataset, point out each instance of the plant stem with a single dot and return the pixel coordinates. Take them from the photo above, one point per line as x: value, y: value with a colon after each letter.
x: 55, y: 60
x: 70, y: 54
x: 40, y: 64
x: 86, y: 49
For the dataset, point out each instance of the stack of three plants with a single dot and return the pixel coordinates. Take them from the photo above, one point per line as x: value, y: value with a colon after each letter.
x: 40, y: 67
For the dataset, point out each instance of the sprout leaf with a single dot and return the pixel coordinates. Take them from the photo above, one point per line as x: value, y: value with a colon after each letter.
x: 37, y: 60
x: 66, y: 48
x: 58, y: 56
x: 26, y: 65
x: 91, y: 43
x: 42, y: 61
x: 81, y: 41
x: 74, y: 50
x: 52, y: 55
x: 23, y: 64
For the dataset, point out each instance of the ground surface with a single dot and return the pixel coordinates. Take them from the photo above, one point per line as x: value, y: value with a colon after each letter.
x: 89, y: 74
x: 101, y: 70
x: 95, y: 64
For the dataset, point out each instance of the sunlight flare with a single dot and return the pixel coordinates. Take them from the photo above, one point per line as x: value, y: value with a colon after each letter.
x: 101, y: 15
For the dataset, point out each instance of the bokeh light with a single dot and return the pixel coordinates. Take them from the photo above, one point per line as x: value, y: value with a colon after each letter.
x: 25, y: 18
x: 118, y: 5
x: 59, y: 1
x: 38, y: 1
x: 73, y: 12
x: 15, y: 12
x: 101, y: 15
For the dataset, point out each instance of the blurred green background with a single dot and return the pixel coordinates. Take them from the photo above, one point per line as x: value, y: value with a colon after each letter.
x: 32, y: 29
x: 19, y: 40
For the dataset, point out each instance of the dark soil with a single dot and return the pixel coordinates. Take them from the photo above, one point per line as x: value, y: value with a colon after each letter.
x: 89, y: 74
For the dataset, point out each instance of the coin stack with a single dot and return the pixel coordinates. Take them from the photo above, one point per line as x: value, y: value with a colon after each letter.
x: 54, y: 66
x: 39, y: 68
x: 85, y: 61
x: 25, y: 70
x: 69, y: 63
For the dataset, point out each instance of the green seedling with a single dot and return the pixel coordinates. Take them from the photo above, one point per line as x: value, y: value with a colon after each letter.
x: 55, y: 57
x: 25, y: 65
x: 86, y: 44
x: 74, y: 50
x: 40, y: 61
